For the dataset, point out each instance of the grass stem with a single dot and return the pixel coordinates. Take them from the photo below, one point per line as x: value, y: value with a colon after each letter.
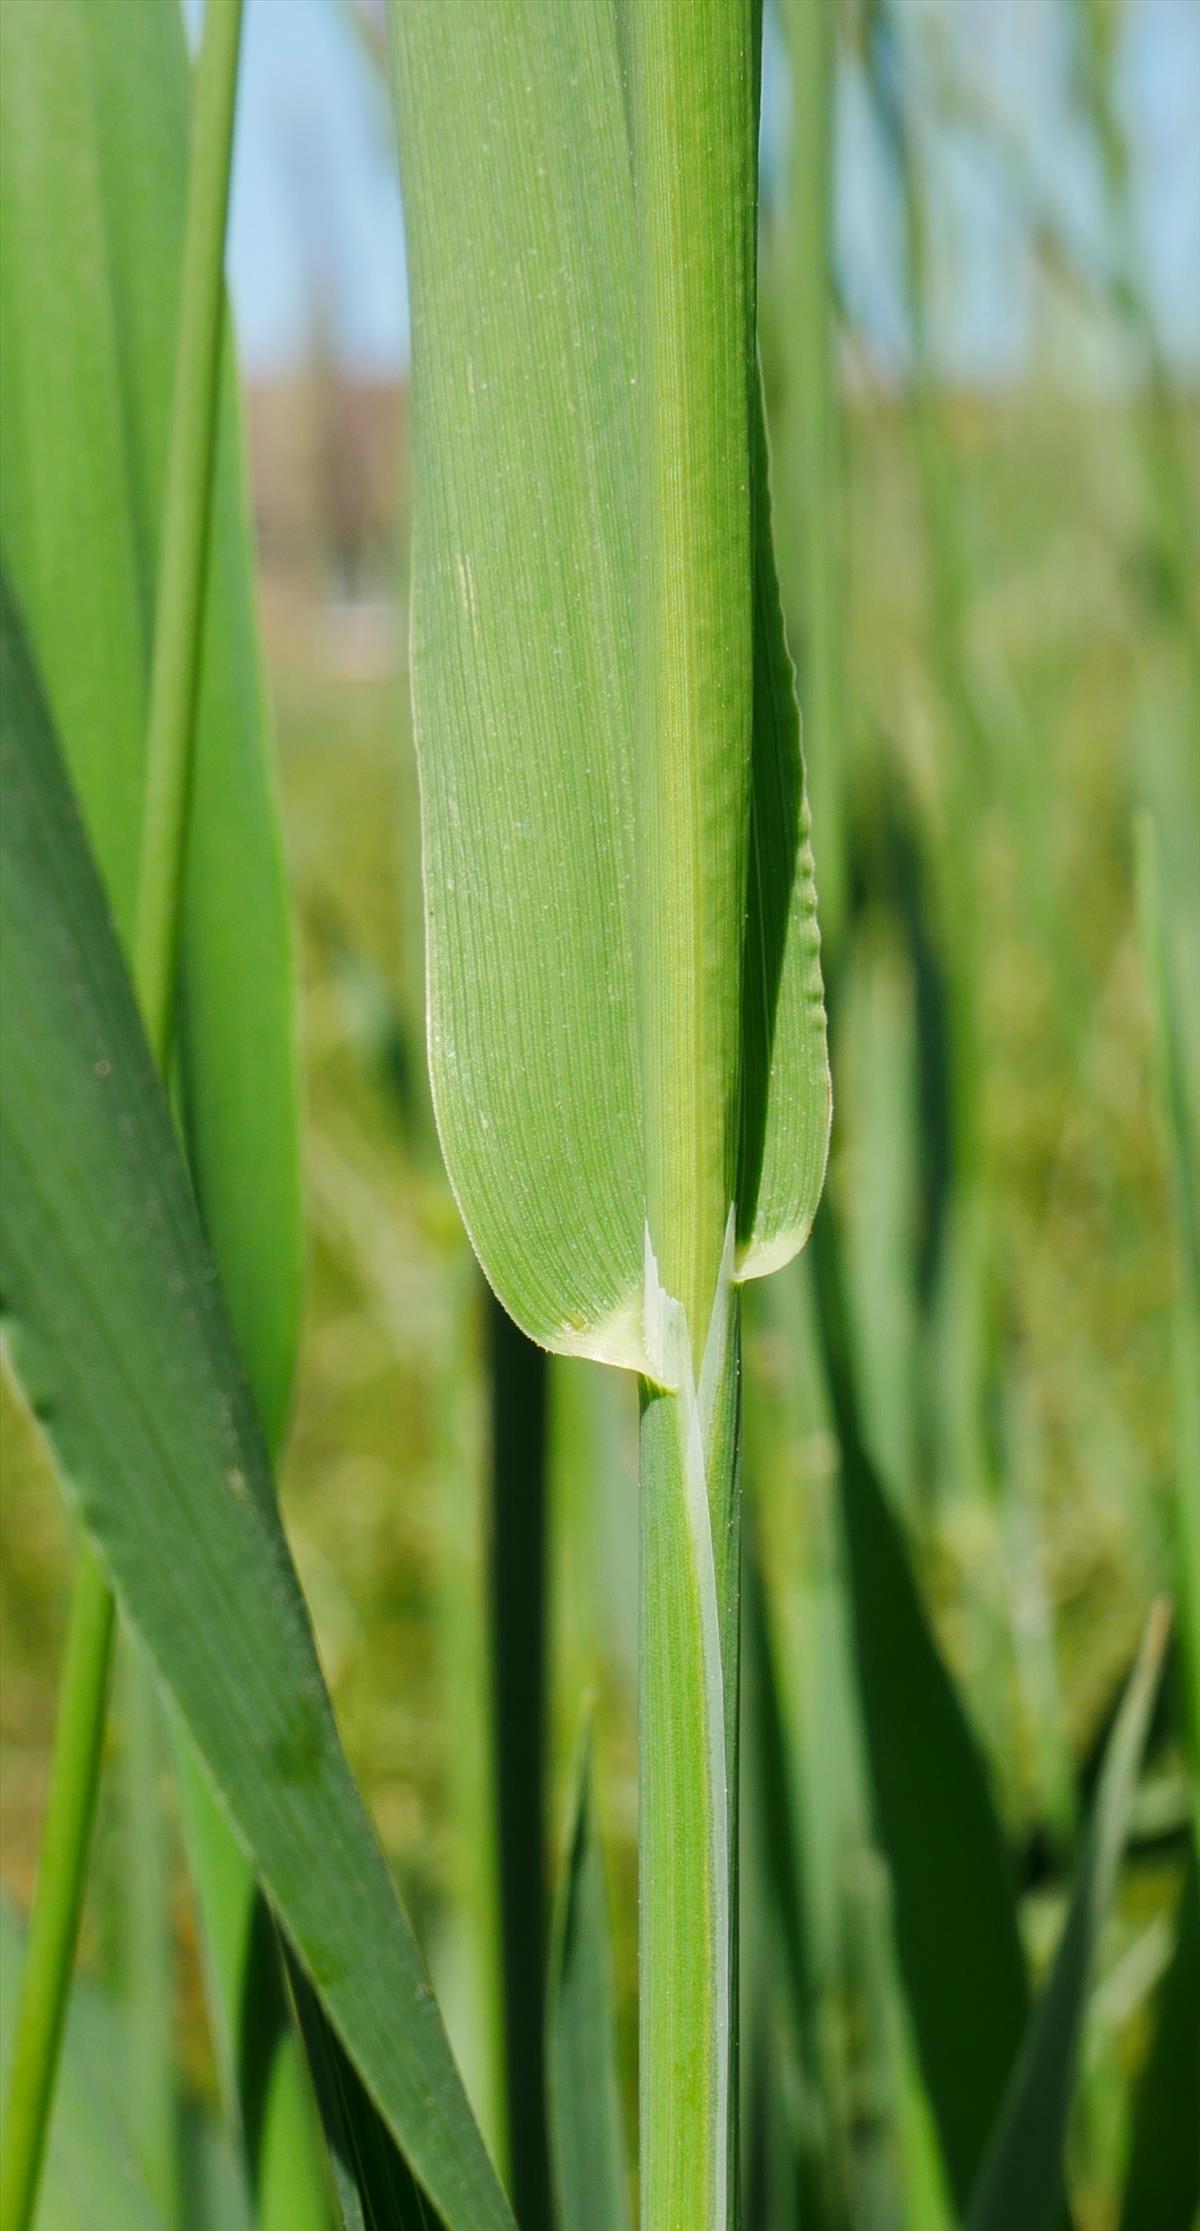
x: 62, y: 1872
x: 687, y: 1835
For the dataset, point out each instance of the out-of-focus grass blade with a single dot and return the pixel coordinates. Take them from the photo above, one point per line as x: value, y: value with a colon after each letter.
x: 587, y: 2136
x: 1160, y: 424
x: 953, y: 1902
x: 805, y: 1839
x: 772, y: 1875
x: 877, y: 1038
x: 119, y: 1336
x: 91, y: 2169
x: 261, y: 2064
x: 1021, y: 2179
x: 93, y: 166
x: 93, y: 2174
x: 1183, y: 1170
x: 1162, y: 2187
x: 506, y: 1826
x: 525, y: 602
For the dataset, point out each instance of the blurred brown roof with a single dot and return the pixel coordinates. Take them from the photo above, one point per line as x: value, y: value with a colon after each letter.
x: 328, y: 466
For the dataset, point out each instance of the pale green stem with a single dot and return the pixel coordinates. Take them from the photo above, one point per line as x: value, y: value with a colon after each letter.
x: 695, y: 79
x: 183, y: 568
x: 76, y: 1765
x: 687, y: 1831
x: 62, y: 1870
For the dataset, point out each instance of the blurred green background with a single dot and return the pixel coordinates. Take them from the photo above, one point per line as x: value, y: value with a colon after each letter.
x: 1009, y: 559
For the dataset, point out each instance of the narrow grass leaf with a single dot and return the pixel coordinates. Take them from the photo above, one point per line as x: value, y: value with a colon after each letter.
x: 587, y: 2135
x: 1021, y: 2179
x: 119, y: 1336
x: 952, y: 1894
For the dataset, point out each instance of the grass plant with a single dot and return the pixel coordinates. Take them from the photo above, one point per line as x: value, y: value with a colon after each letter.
x: 837, y: 2014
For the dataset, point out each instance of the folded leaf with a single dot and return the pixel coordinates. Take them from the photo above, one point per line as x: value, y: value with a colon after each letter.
x: 119, y: 1336
x: 528, y: 582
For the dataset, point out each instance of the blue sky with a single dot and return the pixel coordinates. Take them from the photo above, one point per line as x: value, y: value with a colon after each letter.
x: 315, y: 226
x: 316, y: 230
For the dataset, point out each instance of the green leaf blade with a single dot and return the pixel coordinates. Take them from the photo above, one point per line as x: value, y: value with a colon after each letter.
x: 118, y: 1333
x: 522, y: 646
x: 937, y: 1826
x: 532, y: 562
